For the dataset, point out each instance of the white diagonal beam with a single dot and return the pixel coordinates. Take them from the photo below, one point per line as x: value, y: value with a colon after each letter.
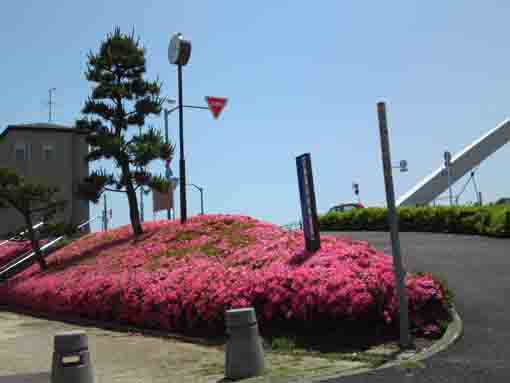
x: 435, y: 183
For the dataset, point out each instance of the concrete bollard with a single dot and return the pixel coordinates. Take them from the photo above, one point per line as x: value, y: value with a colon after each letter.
x: 244, y: 356
x: 71, y: 358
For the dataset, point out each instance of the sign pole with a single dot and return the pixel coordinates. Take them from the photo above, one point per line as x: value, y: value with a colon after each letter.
x: 405, y: 339
x: 308, y: 205
x: 142, y: 215
x: 105, y: 214
x: 201, y: 201
x: 448, y: 165
x: 167, y: 173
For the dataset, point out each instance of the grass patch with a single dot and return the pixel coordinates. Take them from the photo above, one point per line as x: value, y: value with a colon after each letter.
x: 409, y: 365
x: 335, y: 346
x: 107, y: 238
x: 175, y: 253
x: 210, y: 250
x: 373, y: 360
x: 283, y: 344
x: 228, y: 231
x: 234, y: 236
x: 186, y: 235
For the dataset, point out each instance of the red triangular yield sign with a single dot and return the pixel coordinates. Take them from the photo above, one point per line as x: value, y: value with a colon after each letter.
x: 216, y: 105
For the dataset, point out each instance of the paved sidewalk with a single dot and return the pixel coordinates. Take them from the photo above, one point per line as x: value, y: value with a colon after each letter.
x: 26, y: 347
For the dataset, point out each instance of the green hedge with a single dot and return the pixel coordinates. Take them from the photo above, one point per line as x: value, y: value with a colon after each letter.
x: 487, y: 220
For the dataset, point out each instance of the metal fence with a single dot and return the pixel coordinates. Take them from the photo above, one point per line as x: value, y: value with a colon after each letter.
x: 294, y: 226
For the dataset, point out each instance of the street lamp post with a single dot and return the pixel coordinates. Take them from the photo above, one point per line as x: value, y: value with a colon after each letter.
x: 167, y: 113
x: 182, y: 161
x: 448, y: 166
x: 168, y: 172
x: 201, y: 190
x: 179, y: 52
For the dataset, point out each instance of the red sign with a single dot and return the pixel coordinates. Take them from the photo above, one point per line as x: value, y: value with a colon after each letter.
x: 216, y: 105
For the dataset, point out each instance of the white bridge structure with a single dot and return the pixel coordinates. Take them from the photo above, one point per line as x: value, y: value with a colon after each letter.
x: 436, y: 183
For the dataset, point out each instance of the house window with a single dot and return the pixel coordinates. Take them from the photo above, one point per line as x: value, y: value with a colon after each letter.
x: 48, y: 152
x: 22, y: 151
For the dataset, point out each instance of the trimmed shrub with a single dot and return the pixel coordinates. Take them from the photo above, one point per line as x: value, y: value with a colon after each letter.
x: 491, y: 220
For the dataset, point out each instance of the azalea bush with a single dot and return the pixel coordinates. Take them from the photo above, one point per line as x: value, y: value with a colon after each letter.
x: 184, y: 277
x: 12, y: 249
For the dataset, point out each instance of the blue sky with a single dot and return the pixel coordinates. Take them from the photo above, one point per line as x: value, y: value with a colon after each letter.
x: 300, y: 77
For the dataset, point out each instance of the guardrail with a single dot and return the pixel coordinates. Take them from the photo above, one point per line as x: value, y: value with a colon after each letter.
x: 21, y: 234
x: 293, y: 226
x: 26, y: 260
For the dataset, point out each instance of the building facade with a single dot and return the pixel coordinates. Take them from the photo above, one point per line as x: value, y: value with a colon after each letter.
x: 50, y: 154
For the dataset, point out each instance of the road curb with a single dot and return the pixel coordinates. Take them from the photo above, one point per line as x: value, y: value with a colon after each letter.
x: 452, y: 334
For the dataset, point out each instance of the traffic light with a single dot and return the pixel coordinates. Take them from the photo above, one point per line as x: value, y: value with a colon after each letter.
x: 355, y: 187
x: 403, y: 166
x: 447, y: 159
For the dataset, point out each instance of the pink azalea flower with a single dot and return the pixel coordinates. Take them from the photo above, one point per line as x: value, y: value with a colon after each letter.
x: 183, y: 278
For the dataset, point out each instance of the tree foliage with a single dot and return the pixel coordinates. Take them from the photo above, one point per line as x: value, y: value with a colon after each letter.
x: 121, y: 99
x: 34, y: 201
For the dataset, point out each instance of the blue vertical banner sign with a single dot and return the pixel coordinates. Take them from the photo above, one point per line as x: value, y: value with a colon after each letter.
x: 308, y: 205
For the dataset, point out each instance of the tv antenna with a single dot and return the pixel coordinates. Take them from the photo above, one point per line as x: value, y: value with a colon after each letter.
x: 50, y: 102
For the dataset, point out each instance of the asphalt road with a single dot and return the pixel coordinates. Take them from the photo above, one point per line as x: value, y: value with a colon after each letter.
x: 478, y: 271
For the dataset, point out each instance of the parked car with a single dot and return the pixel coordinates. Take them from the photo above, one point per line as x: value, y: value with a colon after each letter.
x: 346, y: 207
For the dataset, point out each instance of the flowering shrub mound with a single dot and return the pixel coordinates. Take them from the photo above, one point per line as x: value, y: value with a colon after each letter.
x: 11, y: 250
x: 184, y: 278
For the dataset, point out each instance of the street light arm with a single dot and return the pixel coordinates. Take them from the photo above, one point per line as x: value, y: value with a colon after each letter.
x: 195, y: 107
x: 197, y: 187
x: 168, y: 111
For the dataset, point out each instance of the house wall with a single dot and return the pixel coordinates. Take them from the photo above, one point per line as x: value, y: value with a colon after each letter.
x: 64, y: 169
x: 81, y: 209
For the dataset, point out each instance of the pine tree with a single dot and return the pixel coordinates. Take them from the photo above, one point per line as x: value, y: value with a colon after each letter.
x: 120, y: 99
x: 32, y: 200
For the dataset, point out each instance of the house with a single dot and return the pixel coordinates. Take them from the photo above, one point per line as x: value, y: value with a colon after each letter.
x: 50, y: 154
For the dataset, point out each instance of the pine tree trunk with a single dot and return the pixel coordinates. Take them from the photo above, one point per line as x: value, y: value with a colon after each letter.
x: 35, y: 243
x: 134, y: 213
